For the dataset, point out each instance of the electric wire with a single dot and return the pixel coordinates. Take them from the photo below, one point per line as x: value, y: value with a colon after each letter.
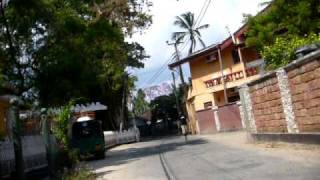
x: 199, y: 19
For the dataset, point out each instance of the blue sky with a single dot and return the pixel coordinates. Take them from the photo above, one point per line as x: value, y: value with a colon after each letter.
x: 220, y: 13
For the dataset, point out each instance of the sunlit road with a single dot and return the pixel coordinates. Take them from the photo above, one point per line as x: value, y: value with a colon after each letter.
x: 221, y: 157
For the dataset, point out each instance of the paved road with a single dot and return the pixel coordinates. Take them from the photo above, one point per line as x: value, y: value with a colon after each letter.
x: 206, y: 157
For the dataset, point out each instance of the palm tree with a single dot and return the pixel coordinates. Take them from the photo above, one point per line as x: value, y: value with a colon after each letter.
x: 191, y: 31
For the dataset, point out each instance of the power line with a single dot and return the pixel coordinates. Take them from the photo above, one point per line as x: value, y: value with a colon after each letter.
x: 160, y: 70
x: 201, y: 11
x: 204, y: 12
x: 200, y: 17
x: 163, y: 67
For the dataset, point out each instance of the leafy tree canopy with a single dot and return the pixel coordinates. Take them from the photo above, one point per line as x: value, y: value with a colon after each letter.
x: 140, y: 104
x: 190, y: 30
x: 282, y: 52
x: 164, y: 107
x: 57, y: 50
x: 283, y: 18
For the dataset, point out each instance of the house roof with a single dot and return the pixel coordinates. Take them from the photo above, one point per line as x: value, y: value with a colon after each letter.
x: 224, y: 44
x: 194, y: 55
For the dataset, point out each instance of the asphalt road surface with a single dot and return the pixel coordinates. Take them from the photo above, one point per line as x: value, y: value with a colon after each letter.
x: 223, y: 157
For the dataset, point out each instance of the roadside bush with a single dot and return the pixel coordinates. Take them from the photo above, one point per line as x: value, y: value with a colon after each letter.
x: 80, y: 173
x: 67, y: 156
x: 61, y: 125
x: 282, y: 52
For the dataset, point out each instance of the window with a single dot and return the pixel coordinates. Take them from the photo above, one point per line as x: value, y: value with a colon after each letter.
x: 86, y: 129
x: 211, y: 58
x: 241, y: 39
x: 232, y: 99
x: 233, y: 95
x: 207, y: 105
x: 235, y: 56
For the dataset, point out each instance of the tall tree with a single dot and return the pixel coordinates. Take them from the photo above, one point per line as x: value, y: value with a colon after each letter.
x: 131, y: 15
x: 63, y: 49
x: 283, y: 18
x: 140, y: 103
x: 190, y: 30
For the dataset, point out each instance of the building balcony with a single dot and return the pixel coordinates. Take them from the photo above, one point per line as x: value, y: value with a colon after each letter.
x: 253, y: 68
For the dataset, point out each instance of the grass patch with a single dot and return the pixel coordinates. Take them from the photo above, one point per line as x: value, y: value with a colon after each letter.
x: 79, y: 173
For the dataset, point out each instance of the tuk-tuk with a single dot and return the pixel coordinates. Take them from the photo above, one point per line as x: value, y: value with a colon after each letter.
x: 87, y: 137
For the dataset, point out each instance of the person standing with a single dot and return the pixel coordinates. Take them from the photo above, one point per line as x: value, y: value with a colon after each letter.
x: 184, y: 129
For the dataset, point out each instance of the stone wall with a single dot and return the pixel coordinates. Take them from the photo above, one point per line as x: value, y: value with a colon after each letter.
x: 267, y: 107
x: 286, y: 100
x: 304, y: 83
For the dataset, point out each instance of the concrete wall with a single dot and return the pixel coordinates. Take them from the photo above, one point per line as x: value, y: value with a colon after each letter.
x: 286, y: 100
x: 34, y: 154
x: 200, y: 99
x: 192, y: 123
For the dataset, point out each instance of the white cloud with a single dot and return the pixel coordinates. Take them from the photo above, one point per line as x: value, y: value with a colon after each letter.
x: 219, y: 14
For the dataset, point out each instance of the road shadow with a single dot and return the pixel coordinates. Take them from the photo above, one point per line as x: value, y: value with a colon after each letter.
x: 103, y: 173
x: 116, y: 157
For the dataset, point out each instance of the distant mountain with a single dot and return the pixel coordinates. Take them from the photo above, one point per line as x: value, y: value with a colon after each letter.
x: 157, y: 90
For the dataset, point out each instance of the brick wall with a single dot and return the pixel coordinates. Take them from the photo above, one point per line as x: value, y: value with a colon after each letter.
x: 267, y: 107
x: 304, y: 83
x: 286, y: 100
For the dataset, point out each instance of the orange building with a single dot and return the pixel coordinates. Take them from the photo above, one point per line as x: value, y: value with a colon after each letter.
x: 216, y: 72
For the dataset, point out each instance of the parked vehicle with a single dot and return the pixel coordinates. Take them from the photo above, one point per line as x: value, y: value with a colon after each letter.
x: 88, y: 138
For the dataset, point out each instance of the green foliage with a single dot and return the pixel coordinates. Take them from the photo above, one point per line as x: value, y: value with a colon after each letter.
x: 190, y: 30
x: 283, y: 18
x: 68, y: 156
x: 166, y: 106
x: 61, y: 127
x: 282, y: 51
x: 140, y: 104
x: 130, y: 15
x: 80, y: 173
x: 65, y: 49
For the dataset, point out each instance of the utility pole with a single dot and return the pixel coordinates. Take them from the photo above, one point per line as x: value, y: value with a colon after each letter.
x: 177, y: 99
x: 123, y: 103
x: 178, y: 59
x: 175, y: 93
x: 222, y: 76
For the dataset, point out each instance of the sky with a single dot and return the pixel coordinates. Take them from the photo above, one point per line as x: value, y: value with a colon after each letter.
x: 220, y: 13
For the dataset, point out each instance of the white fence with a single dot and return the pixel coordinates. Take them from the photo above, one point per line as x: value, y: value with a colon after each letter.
x: 34, y: 154
x: 113, y: 138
